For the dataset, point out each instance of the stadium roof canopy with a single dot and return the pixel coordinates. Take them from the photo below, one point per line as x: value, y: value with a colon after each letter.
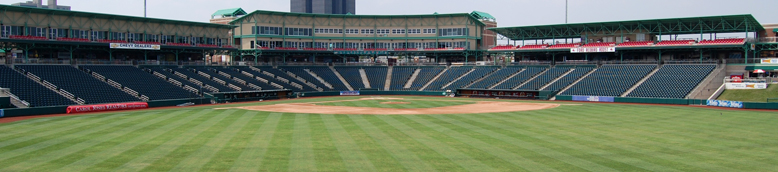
x: 482, y: 15
x: 362, y: 16
x: 689, y: 25
x: 105, y: 16
x: 232, y: 12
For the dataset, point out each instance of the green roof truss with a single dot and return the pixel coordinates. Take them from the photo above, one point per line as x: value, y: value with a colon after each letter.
x: 232, y: 12
x: 690, y: 25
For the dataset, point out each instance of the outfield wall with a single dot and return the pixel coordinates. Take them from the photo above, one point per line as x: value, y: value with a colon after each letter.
x: 15, y: 112
x: 746, y: 105
x: 372, y: 92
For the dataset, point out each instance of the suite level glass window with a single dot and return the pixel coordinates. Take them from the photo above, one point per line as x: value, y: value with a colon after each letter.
x: 266, y: 30
x: 58, y: 33
x: 134, y: 37
x: 429, y: 31
x: 398, y: 31
x: 36, y: 31
x: 182, y: 39
x: 328, y: 31
x: 196, y: 40
x: 414, y: 31
x: 118, y: 35
x: 83, y: 34
x: 12, y: 30
x: 352, y: 31
x: 152, y: 38
x: 166, y: 38
x: 453, y: 32
x: 298, y: 32
x: 367, y: 31
x: 99, y: 35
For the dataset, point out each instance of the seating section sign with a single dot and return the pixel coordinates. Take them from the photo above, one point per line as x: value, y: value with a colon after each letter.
x: 593, y: 98
x: 593, y: 50
x: 349, y: 93
x: 725, y: 103
x: 745, y: 86
x: 134, y: 46
x: 107, y: 107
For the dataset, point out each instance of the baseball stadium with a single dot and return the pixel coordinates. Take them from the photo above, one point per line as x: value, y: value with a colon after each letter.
x: 287, y: 91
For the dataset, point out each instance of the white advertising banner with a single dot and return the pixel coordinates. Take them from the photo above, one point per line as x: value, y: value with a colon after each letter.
x: 593, y: 50
x: 134, y: 46
x: 742, y: 86
x: 770, y: 61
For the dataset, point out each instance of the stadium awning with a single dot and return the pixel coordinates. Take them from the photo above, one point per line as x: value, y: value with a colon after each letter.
x: 767, y: 68
x: 775, y: 30
x: 229, y: 12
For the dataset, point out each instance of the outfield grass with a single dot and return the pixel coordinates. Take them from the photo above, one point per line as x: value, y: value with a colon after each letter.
x: 588, y: 137
x: 751, y: 95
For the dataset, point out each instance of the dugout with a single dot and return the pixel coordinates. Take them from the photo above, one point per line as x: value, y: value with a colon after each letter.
x: 508, y: 94
x: 244, y: 96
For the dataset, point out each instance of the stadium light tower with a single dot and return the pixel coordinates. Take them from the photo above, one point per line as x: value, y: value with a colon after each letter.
x: 565, y: 11
x: 144, y: 8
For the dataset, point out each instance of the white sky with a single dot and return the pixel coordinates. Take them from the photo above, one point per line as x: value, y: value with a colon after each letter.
x: 507, y: 12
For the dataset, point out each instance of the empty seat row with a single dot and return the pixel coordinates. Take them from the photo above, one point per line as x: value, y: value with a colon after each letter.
x: 496, y: 77
x: 30, y: 91
x: 376, y: 75
x: 673, y: 81
x: 568, y: 79
x: 610, y: 80
x: 478, y: 73
x: 352, y: 76
x: 520, y: 78
x: 79, y: 83
x: 452, y: 73
x: 544, y: 78
x: 143, y: 82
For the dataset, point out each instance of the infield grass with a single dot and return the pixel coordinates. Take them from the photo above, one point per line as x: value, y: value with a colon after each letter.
x: 584, y: 137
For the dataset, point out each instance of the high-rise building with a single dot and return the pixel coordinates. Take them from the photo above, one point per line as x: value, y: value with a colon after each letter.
x: 39, y: 4
x: 324, y: 6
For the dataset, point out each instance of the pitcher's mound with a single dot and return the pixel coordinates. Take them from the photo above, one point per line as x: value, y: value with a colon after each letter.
x: 396, y: 103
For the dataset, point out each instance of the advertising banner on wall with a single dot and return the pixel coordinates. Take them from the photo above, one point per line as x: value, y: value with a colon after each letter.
x: 134, y: 46
x: 593, y: 98
x: 593, y: 50
x: 770, y: 61
x: 725, y: 103
x: 107, y: 107
x: 1, y: 113
x: 745, y: 86
x: 349, y: 93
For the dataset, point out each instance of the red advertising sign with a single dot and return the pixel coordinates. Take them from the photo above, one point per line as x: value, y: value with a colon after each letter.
x: 736, y: 78
x: 107, y: 107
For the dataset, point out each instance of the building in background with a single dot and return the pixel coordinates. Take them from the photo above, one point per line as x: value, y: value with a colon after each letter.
x: 39, y: 4
x: 324, y: 6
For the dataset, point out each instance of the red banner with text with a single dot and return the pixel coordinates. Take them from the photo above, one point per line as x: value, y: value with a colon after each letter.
x: 107, y: 107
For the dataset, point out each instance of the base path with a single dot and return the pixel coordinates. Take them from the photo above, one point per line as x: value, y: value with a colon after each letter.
x: 478, y: 107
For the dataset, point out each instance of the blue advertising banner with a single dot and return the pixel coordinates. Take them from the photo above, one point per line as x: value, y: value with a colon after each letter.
x: 349, y: 93
x: 1, y: 113
x: 593, y: 98
x: 724, y: 103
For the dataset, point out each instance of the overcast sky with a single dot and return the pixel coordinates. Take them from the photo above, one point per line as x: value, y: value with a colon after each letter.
x: 507, y: 12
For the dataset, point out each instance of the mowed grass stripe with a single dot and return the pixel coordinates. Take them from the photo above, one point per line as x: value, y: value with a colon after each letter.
x: 613, y: 143
x: 641, y: 143
x: 381, y: 158
x: 507, y: 156
x: 451, y: 153
x: 194, y: 143
x: 38, y: 124
x: 124, y: 146
x: 251, y: 157
x: 572, y: 160
x: 196, y: 160
x: 302, y: 157
x: 327, y: 156
x: 143, y: 161
x: 87, y: 143
x: 62, y: 138
x: 64, y: 128
x: 697, y: 151
x: 398, y: 151
x: 353, y: 158
x: 590, y: 153
x: 277, y: 156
